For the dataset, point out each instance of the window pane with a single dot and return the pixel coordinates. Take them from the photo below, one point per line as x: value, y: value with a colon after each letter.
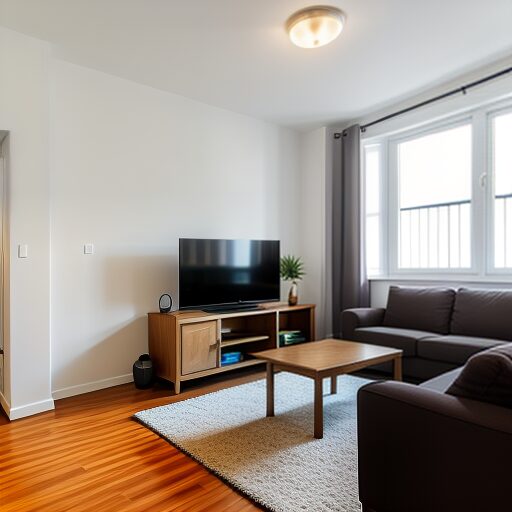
x: 372, y: 183
x: 372, y: 244
x: 502, y: 158
x: 372, y: 180
x: 434, y: 173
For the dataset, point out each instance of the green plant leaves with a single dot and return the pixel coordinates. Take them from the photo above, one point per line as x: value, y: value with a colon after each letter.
x: 291, y: 268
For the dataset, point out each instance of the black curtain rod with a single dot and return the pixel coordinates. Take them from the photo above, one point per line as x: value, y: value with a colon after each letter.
x: 459, y: 90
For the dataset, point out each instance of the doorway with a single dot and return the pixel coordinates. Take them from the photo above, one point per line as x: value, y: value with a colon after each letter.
x: 4, y: 264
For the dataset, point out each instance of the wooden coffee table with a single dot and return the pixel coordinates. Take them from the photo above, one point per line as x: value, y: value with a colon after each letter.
x: 325, y: 358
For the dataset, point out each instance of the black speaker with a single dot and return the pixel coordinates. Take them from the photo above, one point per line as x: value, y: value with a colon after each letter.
x: 165, y: 303
x: 143, y: 372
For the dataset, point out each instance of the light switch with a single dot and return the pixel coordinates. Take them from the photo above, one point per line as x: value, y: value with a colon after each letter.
x: 23, y: 251
x: 89, y: 249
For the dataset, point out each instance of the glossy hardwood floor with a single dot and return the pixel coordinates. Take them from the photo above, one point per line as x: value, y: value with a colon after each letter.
x: 89, y: 455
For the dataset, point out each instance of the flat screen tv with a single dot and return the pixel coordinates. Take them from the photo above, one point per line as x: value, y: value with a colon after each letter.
x: 224, y: 274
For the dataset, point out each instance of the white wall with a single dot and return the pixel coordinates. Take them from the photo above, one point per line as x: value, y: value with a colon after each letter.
x: 134, y: 169
x: 313, y: 224
x: 97, y: 159
x: 24, y: 113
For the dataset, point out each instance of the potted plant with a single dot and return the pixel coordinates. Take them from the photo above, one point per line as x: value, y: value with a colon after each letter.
x: 292, y: 269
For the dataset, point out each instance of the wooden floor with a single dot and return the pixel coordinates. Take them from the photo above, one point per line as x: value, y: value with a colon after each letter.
x: 89, y: 455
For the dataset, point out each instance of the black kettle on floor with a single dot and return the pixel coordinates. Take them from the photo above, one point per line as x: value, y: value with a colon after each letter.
x: 143, y: 372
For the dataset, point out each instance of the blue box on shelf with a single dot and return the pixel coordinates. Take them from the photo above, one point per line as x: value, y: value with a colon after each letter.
x: 230, y: 358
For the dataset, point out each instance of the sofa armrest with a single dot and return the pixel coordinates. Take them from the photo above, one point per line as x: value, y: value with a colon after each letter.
x: 351, y: 319
x: 423, y: 450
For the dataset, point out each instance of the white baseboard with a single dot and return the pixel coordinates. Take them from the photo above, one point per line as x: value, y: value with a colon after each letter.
x: 6, y: 406
x: 22, y: 411
x: 91, y: 386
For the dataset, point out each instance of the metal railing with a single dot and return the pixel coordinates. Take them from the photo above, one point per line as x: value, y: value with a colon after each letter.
x: 503, y: 231
x: 435, y: 235
x: 438, y: 235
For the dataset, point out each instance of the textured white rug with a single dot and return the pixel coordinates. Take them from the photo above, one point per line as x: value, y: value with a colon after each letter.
x: 275, y: 461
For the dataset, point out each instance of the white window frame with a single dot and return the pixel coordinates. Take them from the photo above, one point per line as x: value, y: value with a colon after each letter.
x: 490, y: 178
x: 394, y: 201
x: 482, y: 199
x: 383, y: 202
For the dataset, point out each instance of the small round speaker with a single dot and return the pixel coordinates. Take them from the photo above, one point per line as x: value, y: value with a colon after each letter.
x: 165, y: 303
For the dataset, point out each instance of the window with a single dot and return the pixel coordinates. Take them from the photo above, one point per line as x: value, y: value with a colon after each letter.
x: 443, y: 197
x: 434, y: 182
x: 502, y: 179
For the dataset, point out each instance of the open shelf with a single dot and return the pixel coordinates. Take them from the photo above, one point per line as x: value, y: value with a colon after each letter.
x: 234, y: 366
x: 242, y: 339
x: 241, y: 364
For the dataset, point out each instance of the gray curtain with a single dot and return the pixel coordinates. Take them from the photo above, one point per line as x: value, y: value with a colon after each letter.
x: 350, y: 284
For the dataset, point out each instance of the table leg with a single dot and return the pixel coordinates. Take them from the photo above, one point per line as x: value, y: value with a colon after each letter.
x: 270, y: 389
x: 397, y: 368
x: 334, y: 384
x: 319, y: 409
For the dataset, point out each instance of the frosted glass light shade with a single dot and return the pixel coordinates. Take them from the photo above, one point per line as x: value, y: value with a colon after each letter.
x: 315, y: 26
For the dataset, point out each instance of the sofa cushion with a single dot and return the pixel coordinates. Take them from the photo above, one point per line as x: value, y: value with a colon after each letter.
x: 453, y: 349
x: 487, y: 377
x: 404, y: 339
x: 424, y: 309
x: 421, y: 369
x: 442, y: 382
x: 483, y: 313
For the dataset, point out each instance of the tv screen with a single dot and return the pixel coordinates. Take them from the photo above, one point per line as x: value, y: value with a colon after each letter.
x: 228, y: 272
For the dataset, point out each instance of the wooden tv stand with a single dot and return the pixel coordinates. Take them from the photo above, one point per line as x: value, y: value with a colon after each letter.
x: 186, y: 345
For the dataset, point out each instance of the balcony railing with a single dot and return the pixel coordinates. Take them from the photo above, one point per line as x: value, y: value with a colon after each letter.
x: 439, y: 235
x: 436, y: 235
x: 503, y: 231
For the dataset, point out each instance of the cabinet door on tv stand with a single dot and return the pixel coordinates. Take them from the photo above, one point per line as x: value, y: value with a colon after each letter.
x: 200, y: 345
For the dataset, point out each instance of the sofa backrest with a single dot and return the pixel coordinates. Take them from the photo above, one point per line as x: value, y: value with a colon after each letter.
x: 425, y: 309
x: 483, y: 313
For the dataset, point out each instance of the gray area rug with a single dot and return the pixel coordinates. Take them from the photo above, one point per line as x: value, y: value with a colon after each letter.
x: 274, y: 461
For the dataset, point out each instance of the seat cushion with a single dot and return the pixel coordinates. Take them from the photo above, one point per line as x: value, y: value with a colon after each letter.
x: 423, y: 309
x: 487, y: 377
x: 404, y: 339
x: 442, y: 382
x: 453, y: 349
x: 483, y: 313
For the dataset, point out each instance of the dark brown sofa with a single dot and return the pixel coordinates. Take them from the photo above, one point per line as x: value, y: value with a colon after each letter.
x: 443, y: 446
x: 438, y: 329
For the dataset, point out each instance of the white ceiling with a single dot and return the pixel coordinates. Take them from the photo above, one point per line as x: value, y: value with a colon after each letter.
x: 235, y: 54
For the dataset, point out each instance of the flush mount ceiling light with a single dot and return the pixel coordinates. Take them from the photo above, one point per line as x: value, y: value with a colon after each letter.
x: 315, y: 26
